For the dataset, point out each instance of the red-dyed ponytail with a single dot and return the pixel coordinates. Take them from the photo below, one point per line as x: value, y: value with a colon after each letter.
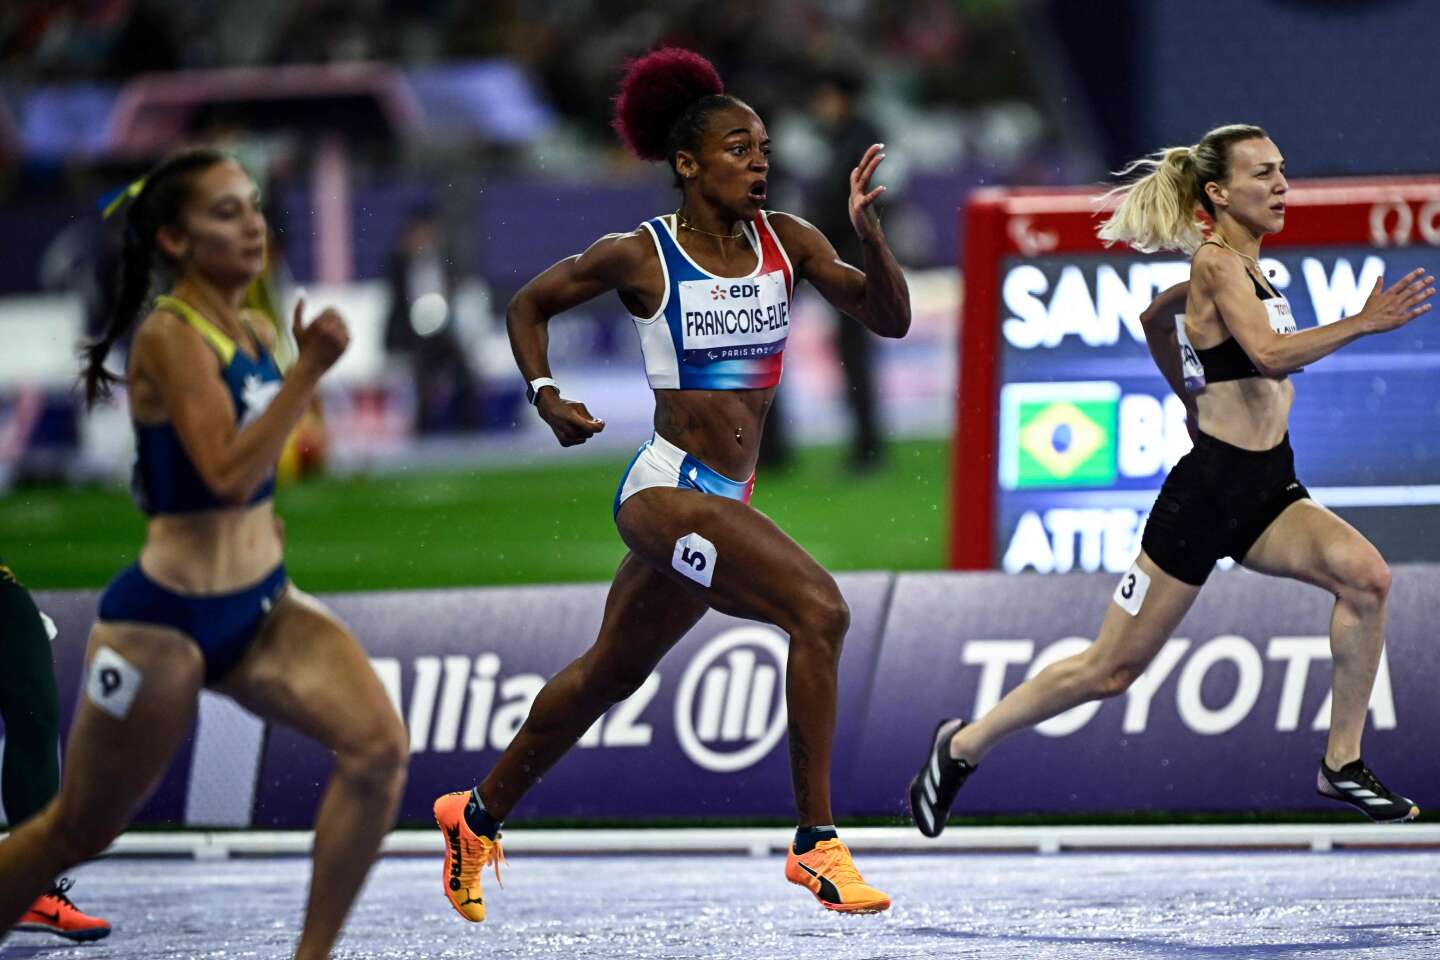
x: 664, y: 100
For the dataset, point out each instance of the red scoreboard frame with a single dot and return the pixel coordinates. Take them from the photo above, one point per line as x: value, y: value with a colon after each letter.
x: 1000, y: 222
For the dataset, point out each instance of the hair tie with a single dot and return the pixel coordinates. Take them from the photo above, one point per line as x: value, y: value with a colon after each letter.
x: 114, y: 201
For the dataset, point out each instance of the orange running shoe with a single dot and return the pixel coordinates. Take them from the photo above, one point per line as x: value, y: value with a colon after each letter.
x: 829, y: 872
x: 465, y: 855
x: 54, y: 913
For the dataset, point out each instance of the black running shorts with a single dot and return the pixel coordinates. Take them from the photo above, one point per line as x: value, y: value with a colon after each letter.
x: 1216, y: 503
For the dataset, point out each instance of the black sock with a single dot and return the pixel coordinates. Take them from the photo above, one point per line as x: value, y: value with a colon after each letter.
x: 481, y: 823
x: 807, y: 837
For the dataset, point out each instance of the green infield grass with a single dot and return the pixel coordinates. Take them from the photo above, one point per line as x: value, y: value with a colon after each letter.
x: 475, y: 527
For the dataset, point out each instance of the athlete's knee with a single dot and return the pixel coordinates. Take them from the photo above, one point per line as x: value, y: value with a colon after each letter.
x: 378, y: 760
x: 821, y: 615
x: 1365, y: 579
x: 613, y: 682
x: 1102, y: 678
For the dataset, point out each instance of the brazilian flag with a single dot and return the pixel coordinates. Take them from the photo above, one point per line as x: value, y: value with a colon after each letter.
x: 1058, y: 434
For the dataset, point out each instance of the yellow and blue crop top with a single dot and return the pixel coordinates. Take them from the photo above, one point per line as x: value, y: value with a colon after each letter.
x: 165, y: 480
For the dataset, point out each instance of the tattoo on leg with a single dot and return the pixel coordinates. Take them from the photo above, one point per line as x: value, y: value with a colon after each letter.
x: 800, y: 770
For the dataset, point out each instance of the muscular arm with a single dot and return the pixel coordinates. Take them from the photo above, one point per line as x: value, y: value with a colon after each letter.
x: 1223, y: 278
x: 877, y: 296
x: 611, y: 263
x: 233, y: 462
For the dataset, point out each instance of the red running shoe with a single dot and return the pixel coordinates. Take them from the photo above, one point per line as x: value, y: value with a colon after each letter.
x: 54, y: 913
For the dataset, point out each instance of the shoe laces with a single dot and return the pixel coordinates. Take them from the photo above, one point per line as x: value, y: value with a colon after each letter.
x: 494, y: 855
x: 59, y: 891
x: 839, y: 867
x: 1368, y: 780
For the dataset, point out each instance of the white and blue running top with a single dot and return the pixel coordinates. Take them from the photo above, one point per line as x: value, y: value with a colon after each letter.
x: 718, y: 333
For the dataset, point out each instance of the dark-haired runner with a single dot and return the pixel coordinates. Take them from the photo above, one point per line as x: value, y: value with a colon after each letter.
x: 682, y: 507
x: 1235, y: 494
x: 208, y: 603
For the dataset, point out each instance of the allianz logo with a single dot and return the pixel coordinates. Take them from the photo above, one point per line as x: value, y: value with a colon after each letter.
x: 1181, y: 675
x: 729, y: 704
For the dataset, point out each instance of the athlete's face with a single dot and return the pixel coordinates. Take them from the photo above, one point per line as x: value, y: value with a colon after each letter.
x: 734, y: 161
x: 221, y: 235
x: 1254, y: 193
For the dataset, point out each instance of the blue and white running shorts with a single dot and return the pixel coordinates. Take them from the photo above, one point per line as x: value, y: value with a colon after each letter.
x: 659, y: 463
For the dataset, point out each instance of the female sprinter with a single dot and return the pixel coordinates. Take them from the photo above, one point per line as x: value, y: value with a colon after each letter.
x: 682, y: 506
x: 1235, y: 494
x: 208, y: 604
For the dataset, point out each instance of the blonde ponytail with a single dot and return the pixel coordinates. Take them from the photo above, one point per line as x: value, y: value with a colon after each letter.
x: 1157, y: 210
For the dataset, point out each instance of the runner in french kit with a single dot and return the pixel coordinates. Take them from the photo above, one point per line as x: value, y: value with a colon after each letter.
x: 1227, y: 344
x: 709, y: 287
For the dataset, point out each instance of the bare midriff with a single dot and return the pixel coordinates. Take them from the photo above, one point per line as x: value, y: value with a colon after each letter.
x: 720, y: 428
x: 1252, y: 414
x: 213, y: 551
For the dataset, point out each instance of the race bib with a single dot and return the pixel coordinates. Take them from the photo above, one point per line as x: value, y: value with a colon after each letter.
x: 1277, y: 310
x: 1130, y: 591
x: 725, y: 319
x: 695, y: 558
x: 112, y: 682
x: 1190, y: 366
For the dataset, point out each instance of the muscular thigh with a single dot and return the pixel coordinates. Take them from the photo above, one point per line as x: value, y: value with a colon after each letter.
x: 137, y: 702
x: 305, y: 670
x: 1147, y: 607
x: 1309, y: 543
x: 753, y: 568
x: 646, y: 612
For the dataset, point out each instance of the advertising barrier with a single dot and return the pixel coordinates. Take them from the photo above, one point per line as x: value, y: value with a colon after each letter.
x: 1230, y: 716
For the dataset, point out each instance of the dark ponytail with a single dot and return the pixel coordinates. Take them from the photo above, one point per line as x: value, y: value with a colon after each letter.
x: 158, y: 203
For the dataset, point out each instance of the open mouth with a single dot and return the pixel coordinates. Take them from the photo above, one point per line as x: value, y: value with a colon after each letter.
x: 757, y: 191
x: 1278, y: 208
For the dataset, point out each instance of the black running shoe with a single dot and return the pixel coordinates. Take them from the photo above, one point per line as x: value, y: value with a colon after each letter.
x: 1356, y: 785
x: 940, y: 778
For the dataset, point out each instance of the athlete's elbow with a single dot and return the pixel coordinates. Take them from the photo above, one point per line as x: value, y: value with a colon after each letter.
x: 1270, y: 363
x: 515, y: 309
x: 1150, y: 319
x: 231, y: 488
x: 524, y: 313
x: 895, y: 325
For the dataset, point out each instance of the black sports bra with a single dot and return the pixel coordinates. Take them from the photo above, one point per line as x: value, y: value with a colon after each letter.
x: 1227, y: 360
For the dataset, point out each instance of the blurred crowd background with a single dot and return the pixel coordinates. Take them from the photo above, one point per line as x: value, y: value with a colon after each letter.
x: 422, y: 158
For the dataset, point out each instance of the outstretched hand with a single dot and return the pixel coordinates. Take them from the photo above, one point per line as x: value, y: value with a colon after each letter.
x: 1397, y: 306
x: 569, y: 419
x: 862, y: 197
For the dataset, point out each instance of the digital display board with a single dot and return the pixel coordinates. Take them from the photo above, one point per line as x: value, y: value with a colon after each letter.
x: 1065, y: 428
x: 1088, y: 429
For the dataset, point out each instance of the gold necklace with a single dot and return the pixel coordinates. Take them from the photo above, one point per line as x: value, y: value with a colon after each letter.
x: 685, y: 224
x: 1219, y: 238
